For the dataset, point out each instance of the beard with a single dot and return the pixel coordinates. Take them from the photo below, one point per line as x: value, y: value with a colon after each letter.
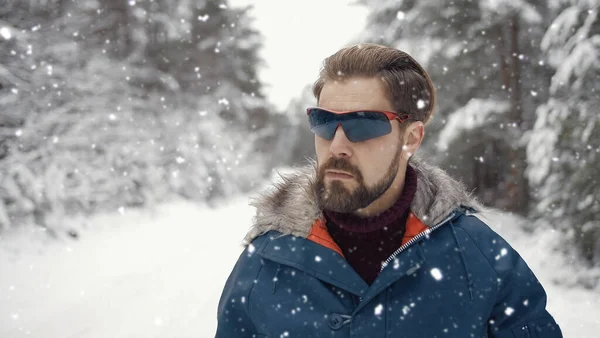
x: 337, y: 197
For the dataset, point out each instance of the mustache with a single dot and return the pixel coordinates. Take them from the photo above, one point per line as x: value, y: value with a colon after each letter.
x: 340, y: 164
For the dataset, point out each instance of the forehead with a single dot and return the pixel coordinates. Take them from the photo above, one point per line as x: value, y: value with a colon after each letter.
x: 355, y: 93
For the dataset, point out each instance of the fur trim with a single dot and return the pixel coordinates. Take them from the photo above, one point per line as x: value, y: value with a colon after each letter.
x: 290, y: 206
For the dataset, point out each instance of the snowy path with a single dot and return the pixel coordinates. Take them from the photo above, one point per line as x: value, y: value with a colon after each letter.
x: 160, y: 275
x: 134, y: 277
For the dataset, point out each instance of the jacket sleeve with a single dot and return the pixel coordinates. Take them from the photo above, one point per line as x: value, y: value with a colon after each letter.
x: 520, y: 305
x: 233, y: 314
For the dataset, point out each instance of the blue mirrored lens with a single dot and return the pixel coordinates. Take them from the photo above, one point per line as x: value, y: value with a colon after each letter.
x: 358, y: 126
x: 362, y: 130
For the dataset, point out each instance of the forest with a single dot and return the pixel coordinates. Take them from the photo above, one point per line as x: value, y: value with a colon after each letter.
x: 115, y: 104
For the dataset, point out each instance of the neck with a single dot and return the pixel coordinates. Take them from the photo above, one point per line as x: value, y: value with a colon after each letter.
x: 385, y: 201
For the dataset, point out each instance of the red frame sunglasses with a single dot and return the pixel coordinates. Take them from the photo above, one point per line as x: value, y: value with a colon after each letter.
x: 358, y: 125
x: 390, y: 115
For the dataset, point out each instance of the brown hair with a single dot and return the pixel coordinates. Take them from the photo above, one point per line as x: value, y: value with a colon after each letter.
x: 410, y: 88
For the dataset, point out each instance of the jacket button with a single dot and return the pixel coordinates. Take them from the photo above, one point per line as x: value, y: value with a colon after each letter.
x: 336, y: 321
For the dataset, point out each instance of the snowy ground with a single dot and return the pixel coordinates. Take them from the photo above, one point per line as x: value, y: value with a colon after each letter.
x: 159, y: 273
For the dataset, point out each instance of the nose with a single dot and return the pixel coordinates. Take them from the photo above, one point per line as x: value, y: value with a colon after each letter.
x: 340, y: 145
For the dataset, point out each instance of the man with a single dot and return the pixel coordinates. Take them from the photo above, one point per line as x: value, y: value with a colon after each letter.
x: 370, y: 242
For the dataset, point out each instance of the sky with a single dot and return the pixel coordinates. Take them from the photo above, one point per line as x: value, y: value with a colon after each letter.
x: 298, y: 35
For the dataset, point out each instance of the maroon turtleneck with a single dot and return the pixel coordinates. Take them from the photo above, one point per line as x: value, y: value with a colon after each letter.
x: 366, y: 242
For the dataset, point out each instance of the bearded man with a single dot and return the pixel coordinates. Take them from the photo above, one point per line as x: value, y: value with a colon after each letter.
x: 370, y: 241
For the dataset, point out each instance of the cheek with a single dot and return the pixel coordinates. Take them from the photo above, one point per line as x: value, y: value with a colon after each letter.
x: 321, y: 148
x: 376, y: 159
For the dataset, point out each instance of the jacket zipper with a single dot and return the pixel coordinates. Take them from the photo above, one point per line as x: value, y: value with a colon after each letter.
x: 413, y: 240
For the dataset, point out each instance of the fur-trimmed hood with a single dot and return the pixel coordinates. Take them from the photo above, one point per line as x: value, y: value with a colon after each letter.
x: 290, y: 206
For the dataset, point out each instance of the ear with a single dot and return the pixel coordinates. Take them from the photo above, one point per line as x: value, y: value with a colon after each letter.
x: 412, y: 138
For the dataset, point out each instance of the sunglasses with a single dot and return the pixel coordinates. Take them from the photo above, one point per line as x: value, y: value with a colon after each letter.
x: 358, y: 125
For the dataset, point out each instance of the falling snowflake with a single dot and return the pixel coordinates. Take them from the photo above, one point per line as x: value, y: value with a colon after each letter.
x: 5, y: 33
x: 436, y: 273
x: 503, y: 252
x: 317, y: 259
x: 509, y: 311
x: 379, y: 309
x: 405, y: 310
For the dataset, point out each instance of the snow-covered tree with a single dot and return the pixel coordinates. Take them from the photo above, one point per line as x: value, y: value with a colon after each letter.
x: 564, y: 148
x: 300, y: 136
x: 480, y: 54
x: 110, y: 104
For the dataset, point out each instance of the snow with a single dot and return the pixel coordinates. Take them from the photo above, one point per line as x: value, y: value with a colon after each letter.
x: 475, y: 114
x: 526, y: 11
x: 543, y: 140
x: 436, y: 273
x: 160, y: 272
x: 5, y: 33
x: 154, y: 273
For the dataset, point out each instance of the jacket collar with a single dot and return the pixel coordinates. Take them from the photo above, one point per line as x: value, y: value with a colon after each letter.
x: 290, y: 208
x: 313, y: 259
x: 324, y: 264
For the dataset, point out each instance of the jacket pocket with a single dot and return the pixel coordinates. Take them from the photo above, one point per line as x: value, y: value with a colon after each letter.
x: 539, y: 328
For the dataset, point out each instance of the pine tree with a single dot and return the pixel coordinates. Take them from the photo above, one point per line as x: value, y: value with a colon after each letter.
x: 564, y: 149
x: 481, y: 56
x: 111, y: 104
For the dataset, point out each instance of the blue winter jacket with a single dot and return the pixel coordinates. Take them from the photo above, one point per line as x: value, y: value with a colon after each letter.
x: 454, y: 278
